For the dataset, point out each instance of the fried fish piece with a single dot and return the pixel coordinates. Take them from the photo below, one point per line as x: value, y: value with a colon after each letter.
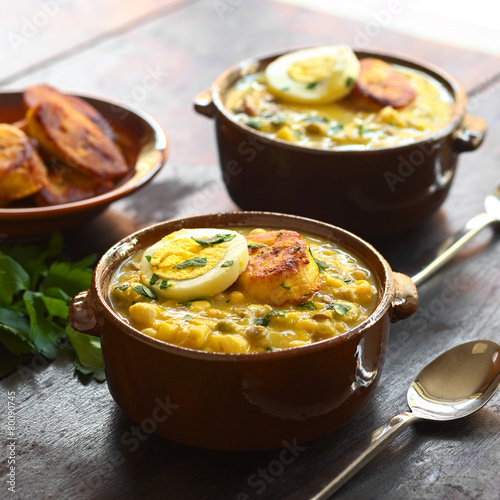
x: 281, y: 269
x: 73, y: 139
x: 36, y: 94
x: 380, y: 83
x: 66, y: 185
x: 22, y: 172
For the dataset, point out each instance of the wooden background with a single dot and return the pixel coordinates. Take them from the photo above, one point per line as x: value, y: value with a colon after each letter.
x: 73, y: 441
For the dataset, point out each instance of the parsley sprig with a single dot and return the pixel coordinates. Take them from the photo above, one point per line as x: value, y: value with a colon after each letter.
x: 37, y: 288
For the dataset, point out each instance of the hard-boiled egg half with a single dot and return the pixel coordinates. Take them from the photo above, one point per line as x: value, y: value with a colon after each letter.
x: 194, y: 263
x: 318, y: 75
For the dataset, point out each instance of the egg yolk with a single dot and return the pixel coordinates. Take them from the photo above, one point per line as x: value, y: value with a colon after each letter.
x: 174, y: 253
x: 312, y: 70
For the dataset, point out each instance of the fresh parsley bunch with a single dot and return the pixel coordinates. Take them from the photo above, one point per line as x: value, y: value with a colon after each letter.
x: 36, y: 288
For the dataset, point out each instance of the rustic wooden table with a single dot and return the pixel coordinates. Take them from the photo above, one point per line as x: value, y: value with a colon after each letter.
x: 73, y: 441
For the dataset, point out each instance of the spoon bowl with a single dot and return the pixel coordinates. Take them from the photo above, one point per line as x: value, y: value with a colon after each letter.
x: 457, y: 383
x: 454, y: 385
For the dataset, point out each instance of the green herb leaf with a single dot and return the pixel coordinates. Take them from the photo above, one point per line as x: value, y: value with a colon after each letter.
x: 279, y: 234
x: 214, y: 240
x: 335, y: 128
x: 195, y: 262
x: 322, y: 265
x: 154, y: 279
x: 148, y: 258
x: 123, y: 287
x: 256, y: 245
x: 164, y: 284
x: 282, y: 285
x: 185, y: 304
x: 296, y: 249
x: 340, y: 309
x: 264, y: 321
x: 349, y: 82
x: 311, y: 85
x: 13, y: 279
x: 228, y: 263
x: 188, y: 318
x: 270, y: 348
x: 256, y: 124
x: 307, y: 306
x: 314, y: 119
x: 145, y: 291
x: 285, y: 89
x: 88, y: 353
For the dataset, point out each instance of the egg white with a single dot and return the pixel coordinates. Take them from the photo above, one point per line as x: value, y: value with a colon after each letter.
x: 336, y: 84
x: 212, y: 282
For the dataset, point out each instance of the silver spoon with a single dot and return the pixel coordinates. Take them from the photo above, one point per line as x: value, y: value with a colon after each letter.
x: 452, y: 245
x: 454, y: 385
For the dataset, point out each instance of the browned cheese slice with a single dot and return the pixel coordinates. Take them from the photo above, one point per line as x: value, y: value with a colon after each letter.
x: 73, y: 139
x: 379, y: 83
x: 22, y: 172
x: 36, y: 94
x: 281, y: 269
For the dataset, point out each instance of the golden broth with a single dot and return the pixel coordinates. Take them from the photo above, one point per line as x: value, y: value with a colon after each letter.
x: 349, y: 122
x: 230, y: 323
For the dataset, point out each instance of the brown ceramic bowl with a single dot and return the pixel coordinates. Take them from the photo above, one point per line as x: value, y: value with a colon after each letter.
x: 242, y: 401
x: 145, y: 146
x: 371, y: 192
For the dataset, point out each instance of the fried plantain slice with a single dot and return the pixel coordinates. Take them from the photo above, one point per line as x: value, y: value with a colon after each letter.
x: 22, y: 172
x: 281, y: 269
x: 380, y: 83
x: 75, y: 140
x: 36, y: 94
x: 66, y: 185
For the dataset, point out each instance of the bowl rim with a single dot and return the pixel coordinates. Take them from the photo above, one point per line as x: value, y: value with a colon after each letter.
x: 130, y: 244
x: 243, y: 67
x: 139, y: 179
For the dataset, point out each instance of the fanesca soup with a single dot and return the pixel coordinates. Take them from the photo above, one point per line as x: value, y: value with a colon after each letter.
x: 324, y: 97
x: 243, y: 290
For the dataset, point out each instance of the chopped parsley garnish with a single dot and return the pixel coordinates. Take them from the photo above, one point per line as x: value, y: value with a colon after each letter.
x: 144, y: 291
x: 164, y: 284
x: 278, y: 120
x: 349, y: 81
x: 185, y: 304
x: 195, y: 262
x: 214, y: 240
x: 256, y: 245
x: 393, y: 123
x: 322, y: 265
x: 188, y: 318
x: 363, y: 130
x: 279, y: 234
x: 314, y: 119
x: 296, y: 249
x: 270, y: 348
x: 228, y: 263
x: 311, y: 85
x: 349, y: 281
x: 340, y: 309
x: 282, y: 285
x: 264, y: 321
x: 148, y: 258
x: 254, y: 124
x: 285, y: 89
x: 336, y: 128
x: 154, y: 279
x: 125, y: 286
x: 307, y: 306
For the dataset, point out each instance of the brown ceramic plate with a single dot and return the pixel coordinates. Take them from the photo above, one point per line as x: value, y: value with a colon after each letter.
x: 145, y: 146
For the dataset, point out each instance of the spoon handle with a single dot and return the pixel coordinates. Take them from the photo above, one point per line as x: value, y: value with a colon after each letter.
x: 452, y: 245
x: 321, y: 486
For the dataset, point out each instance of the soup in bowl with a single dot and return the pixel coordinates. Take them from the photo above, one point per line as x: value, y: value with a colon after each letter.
x: 251, y: 336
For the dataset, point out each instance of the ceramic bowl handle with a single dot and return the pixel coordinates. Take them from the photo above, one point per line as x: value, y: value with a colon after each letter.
x: 470, y: 135
x: 82, y: 314
x: 405, y: 301
x: 203, y: 104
